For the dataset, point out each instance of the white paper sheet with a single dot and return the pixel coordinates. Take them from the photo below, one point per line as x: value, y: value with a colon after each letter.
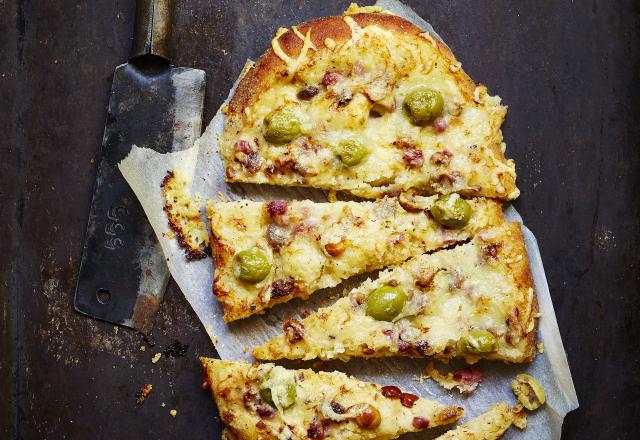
x: 145, y: 169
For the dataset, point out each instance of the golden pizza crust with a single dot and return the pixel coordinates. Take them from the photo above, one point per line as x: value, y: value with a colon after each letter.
x: 380, y: 58
x: 482, y: 285
x: 321, y: 244
x: 340, y: 406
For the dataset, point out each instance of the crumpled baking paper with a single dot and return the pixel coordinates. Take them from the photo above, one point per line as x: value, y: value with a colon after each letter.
x: 145, y: 169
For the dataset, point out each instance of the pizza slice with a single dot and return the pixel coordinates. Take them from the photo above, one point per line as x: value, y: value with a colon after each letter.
x: 264, y: 401
x: 269, y: 252
x: 487, y: 426
x: 367, y: 103
x: 473, y: 301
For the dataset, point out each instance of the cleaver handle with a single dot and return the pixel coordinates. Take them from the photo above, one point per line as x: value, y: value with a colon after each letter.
x: 152, y: 29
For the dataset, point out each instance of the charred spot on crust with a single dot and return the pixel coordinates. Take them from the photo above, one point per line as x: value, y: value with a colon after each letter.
x: 227, y: 417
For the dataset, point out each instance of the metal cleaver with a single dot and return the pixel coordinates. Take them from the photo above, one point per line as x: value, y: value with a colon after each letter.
x: 123, y: 273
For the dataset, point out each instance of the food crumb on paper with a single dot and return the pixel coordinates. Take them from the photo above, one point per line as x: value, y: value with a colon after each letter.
x: 540, y: 347
x: 221, y: 196
x: 173, y: 413
x: 156, y: 357
x: 419, y: 378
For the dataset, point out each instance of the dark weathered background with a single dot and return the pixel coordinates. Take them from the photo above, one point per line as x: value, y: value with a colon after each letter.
x: 567, y: 69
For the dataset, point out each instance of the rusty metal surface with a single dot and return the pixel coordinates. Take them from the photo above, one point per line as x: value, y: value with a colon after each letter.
x: 567, y: 70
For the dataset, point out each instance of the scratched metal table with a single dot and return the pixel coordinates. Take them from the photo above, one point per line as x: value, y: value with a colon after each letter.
x: 567, y: 70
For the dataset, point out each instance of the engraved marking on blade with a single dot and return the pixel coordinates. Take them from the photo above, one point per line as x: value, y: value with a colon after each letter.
x: 115, y: 214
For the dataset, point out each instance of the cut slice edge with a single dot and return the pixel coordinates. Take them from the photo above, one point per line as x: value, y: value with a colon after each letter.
x: 493, y: 294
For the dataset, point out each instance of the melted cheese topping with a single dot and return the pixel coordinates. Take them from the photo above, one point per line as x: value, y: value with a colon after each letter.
x: 233, y: 383
x: 472, y: 286
x: 377, y: 69
x: 324, y: 243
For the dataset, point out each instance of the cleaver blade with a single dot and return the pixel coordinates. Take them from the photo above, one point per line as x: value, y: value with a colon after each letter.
x: 123, y: 272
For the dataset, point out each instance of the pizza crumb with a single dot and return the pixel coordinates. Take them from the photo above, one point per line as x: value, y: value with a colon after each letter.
x: 143, y: 392
x: 519, y: 417
x: 169, y: 234
x: 173, y: 413
x: 245, y: 349
x: 156, y: 357
x: 419, y: 378
x: 540, y: 347
x: 221, y: 196
x: 465, y: 380
x: 143, y: 348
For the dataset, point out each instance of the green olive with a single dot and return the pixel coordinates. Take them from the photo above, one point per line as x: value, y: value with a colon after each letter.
x: 281, y: 126
x: 351, y: 152
x: 477, y: 342
x: 385, y: 303
x: 251, y: 265
x: 279, y: 392
x: 529, y: 391
x: 423, y: 104
x: 451, y: 210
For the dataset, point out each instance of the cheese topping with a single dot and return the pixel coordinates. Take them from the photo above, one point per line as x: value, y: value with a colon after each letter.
x: 312, y: 246
x: 357, y: 89
x: 293, y: 64
x: 469, y: 287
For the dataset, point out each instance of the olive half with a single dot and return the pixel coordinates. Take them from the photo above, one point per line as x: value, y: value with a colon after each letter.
x: 477, y: 342
x: 251, y: 266
x: 282, y: 126
x: 385, y: 303
x: 351, y: 152
x: 423, y: 105
x: 451, y: 210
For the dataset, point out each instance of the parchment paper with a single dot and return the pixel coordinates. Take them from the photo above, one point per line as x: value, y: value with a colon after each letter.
x: 144, y: 169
